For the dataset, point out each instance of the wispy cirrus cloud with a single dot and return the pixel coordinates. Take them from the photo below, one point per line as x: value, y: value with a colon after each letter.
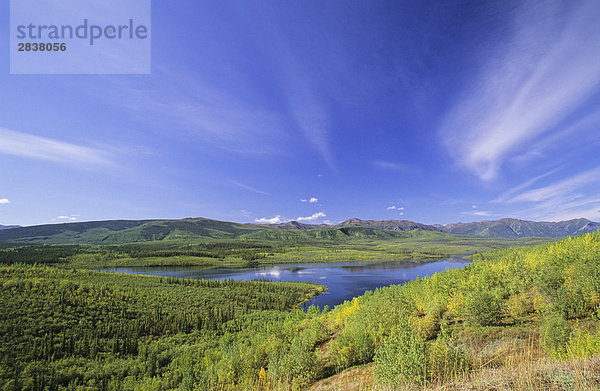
x: 507, y: 195
x: 301, y: 83
x: 312, y: 119
x: 573, y: 197
x: 391, y: 165
x: 230, y: 112
x: 308, y: 111
x: 41, y: 148
x: 249, y: 188
x: 562, y: 188
x: 528, y: 88
x: 480, y: 213
x: 200, y: 111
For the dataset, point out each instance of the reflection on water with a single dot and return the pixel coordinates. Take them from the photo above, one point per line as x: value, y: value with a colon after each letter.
x: 344, y: 279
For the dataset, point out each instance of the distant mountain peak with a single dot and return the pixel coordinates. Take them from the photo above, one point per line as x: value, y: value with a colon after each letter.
x: 516, y: 228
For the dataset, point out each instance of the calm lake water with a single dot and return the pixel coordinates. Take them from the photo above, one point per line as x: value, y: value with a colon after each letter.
x: 344, y: 279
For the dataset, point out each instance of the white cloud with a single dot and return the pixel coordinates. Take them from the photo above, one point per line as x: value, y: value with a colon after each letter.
x: 311, y: 200
x: 66, y: 218
x: 249, y: 188
x: 530, y: 85
x: 393, y: 207
x: 4, y: 201
x: 272, y: 220
x: 312, y: 217
x: 474, y: 207
x: 30, y: 146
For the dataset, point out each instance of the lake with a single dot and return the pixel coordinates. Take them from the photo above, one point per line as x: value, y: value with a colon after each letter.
x: 344, y: 279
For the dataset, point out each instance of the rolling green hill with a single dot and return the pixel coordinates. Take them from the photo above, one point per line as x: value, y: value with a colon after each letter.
x: 87, y: 232
x: 125, y: 231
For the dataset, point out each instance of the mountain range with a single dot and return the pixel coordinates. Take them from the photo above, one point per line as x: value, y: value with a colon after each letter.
x: 503, y: 228
x: 9, y: 226
x: 131, y: 231
x: 514, y: 228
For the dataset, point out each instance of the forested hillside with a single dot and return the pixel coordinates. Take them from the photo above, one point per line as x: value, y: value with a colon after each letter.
x: 524, y: 318
x: 74, y: 329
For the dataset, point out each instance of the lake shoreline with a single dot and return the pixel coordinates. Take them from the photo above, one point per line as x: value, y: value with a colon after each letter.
x: 344, y: 280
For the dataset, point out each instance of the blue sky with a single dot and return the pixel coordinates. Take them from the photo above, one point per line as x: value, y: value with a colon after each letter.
x: 433, y: 111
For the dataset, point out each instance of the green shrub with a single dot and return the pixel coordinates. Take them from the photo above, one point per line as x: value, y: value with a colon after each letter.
x: 445, y: 360
x: 343, y: 356
x: 427, y: 325
x: 297, y: 363
x: 402, y: 357
x: 483, y: 308
x: 407, y: 357
x: 572, y: 303
x: 519, y: 306
x: 583, y: 343
x: 555, y: 333
x: 353, y: 347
